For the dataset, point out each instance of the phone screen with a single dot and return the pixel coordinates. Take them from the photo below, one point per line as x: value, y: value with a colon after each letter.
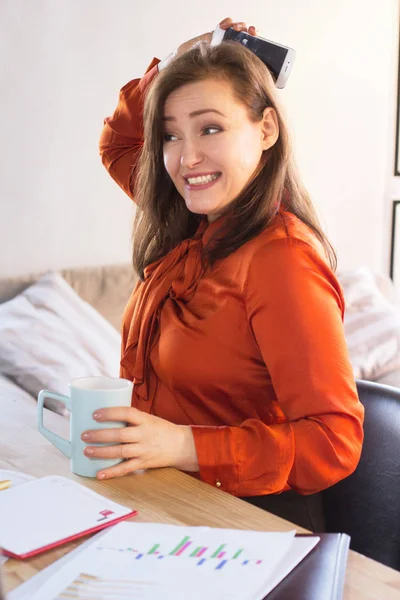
x: 272, y: 55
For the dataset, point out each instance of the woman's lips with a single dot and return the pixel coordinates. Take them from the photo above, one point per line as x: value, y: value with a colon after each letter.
x: 200, y: 186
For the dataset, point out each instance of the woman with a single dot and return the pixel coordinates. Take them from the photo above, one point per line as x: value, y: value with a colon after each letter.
x: 233, y: 335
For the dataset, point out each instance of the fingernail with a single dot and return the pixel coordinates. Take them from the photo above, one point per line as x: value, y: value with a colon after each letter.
x: 102, y: 476
x: 97, y: 415
x: 86, y: 436
x: 89, y: 451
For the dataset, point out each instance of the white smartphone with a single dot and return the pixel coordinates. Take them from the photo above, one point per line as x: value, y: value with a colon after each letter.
x: 278, y: 59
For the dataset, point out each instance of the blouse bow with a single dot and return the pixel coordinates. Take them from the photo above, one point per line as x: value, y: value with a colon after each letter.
x: 173, y: 276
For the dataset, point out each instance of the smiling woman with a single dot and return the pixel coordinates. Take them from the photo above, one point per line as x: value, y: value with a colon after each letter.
x: 234, y: 335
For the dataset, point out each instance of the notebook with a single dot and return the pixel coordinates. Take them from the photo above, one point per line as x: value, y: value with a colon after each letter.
x: 321, y: 574
x: 51, y: 511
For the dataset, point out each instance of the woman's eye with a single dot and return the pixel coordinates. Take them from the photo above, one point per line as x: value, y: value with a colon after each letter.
x: 168, y: 137
x: 211, y: 129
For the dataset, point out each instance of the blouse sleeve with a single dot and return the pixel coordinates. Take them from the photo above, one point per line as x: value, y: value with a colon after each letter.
x: 122, y: 135
x: 295, y: 311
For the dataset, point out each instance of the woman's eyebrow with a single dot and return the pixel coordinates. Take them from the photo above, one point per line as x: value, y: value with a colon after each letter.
x: 196, y: 113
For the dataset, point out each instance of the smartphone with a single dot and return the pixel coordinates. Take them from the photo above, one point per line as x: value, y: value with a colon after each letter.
x: 277, y: 58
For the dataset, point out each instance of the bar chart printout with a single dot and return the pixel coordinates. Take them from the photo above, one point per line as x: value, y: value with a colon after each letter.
x: 217, y: 556
x: 149, y: 561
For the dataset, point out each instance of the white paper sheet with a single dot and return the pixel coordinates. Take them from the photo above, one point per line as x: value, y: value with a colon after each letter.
x: 49, y: 509
x: 148, y: 561
x: 16, y: 478
x: 27, y: 589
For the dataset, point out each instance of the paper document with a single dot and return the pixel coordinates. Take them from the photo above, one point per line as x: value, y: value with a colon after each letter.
x: 52, y: 510
x: 149, y: 561
x: 16, y: 478
x: 26, y: 590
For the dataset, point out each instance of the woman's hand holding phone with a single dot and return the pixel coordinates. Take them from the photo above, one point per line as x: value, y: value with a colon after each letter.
x: 207, y: 37
x: 277, y: 58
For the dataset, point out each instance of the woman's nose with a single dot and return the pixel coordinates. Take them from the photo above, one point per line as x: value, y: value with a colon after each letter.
x: 190, y: 155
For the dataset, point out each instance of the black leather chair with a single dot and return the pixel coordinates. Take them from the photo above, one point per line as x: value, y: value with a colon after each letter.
x: 366, y: 505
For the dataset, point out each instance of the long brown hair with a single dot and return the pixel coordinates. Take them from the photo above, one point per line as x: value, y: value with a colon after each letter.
x: 162, y: 219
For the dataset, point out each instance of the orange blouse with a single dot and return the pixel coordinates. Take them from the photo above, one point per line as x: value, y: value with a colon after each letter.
x: 250, y: 353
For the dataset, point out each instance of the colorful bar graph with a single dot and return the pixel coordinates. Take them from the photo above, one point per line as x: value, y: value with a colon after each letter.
x: 218, y: 550
x: 182, y: 550
x: 222, y: 553
x: 179, y: 546
x: 196, y: 550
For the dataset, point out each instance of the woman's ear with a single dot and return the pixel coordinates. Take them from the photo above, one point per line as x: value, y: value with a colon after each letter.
x: 270, y: 128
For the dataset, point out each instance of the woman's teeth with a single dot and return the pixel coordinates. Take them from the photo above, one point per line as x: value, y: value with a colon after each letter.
x: 203, y: 179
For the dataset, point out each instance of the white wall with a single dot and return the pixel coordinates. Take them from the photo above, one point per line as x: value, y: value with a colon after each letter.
x: 63, y: 62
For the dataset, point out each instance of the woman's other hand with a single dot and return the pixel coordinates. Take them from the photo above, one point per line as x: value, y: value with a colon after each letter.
x: 146, y: 442
x: 207, y: 37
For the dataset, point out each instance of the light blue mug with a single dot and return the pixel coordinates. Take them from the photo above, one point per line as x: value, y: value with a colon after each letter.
x: 86, y: 395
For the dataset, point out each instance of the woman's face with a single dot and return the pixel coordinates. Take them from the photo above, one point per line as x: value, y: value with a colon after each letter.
x: 211, y: 147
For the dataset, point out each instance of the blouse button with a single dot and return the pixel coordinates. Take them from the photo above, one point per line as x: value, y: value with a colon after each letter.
x: 218, y: 483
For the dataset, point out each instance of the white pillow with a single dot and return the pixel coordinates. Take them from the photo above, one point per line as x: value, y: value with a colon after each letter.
x: 12, y: 393
x: 50, y: 336
x: 371, y: 325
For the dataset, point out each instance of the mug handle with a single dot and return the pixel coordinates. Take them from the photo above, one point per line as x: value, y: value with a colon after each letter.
x: 57, y: 440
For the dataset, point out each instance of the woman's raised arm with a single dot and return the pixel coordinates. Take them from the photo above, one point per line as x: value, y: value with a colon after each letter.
x: 122, y: 136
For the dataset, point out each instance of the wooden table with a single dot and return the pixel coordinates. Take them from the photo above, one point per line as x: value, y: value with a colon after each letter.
x: 161, y: 495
